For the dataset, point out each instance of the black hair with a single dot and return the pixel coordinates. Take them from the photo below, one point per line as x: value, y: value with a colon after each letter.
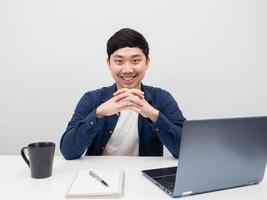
x: 127, y: 37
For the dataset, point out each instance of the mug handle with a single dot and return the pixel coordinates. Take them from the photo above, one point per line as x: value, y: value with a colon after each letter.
x: 24, y: 156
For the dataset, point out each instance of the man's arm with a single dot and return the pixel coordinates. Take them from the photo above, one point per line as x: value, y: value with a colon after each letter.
x: 169, y: 123
x: 82, y: 129
x: 88, y: 120
x: 166, y: 122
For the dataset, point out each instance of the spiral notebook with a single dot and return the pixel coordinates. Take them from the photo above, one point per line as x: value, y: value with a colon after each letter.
x: 86, y: 186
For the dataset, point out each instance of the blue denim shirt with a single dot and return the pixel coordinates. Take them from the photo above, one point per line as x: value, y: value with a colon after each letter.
x: 86, y: 132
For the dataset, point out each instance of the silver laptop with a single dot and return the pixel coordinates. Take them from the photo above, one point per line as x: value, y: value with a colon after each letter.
x: 216, y: 154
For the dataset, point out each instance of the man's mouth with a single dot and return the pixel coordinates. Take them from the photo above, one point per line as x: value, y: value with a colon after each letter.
x: 128, y: 77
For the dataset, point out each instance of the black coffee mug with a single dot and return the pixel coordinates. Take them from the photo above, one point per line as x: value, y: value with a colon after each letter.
x: 41, y: 155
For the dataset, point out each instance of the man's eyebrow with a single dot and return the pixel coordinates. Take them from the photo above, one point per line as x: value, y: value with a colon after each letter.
x: 118, y: 56
x: 135, y: 56
x: 132, y: 56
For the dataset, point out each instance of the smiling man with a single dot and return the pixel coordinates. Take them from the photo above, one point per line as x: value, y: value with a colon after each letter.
x: 127, y: 118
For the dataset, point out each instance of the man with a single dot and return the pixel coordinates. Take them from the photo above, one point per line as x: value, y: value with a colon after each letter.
x: 127, y: 118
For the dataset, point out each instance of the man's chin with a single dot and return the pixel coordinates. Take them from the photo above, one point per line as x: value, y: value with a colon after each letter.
x: 130, y: 86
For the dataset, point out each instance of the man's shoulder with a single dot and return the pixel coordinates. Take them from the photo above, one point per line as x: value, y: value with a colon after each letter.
x: 155, y: 90
x: 100, y: 94
x: 103, y: 90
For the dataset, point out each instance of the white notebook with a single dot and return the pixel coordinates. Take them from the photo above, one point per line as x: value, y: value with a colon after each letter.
x: 85, y: 186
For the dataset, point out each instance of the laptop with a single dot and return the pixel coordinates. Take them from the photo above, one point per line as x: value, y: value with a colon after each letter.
x: 215, y: 154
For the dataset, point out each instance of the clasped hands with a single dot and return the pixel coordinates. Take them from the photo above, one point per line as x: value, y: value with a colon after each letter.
x: 128, y: 99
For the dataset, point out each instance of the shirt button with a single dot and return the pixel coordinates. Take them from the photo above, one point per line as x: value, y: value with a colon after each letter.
x: 118, y: 114
x: 110, y: 132
x: 91, y: 122
x: 157, y: 129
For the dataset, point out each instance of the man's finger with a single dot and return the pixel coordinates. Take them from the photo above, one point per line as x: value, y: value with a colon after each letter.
x: 124, y: 104
x: 135, y: 109
x: 135, y: 100
x: 134, y: 91
x: 120, y: 97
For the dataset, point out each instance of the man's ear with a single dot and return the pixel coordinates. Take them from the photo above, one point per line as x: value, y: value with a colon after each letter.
x: 147, y: 62
x: 108, y: 62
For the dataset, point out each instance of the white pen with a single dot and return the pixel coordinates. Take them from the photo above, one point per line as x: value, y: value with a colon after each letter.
x: 94, y: 175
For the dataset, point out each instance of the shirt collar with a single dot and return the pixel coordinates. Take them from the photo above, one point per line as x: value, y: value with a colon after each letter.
x: 109, y: 92
x: 147, y: 93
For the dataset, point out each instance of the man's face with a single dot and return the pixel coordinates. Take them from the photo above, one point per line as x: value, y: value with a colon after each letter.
x: 128, y: 67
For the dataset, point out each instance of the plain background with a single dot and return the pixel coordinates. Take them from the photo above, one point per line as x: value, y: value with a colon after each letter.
x: 210, y: 54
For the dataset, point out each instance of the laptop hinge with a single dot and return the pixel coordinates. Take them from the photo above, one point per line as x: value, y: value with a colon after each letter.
x: 187, y: 193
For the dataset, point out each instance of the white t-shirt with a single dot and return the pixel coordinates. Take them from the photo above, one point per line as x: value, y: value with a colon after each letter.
x: 124, y: 140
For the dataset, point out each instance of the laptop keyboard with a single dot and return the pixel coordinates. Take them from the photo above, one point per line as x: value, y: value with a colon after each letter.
x: 163, y: 177
x: 167, y: 181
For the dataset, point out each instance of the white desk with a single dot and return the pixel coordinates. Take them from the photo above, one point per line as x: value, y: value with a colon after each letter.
x: 16, y: 183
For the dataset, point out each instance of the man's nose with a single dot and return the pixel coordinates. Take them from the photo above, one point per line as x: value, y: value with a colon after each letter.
x: 127, y: 67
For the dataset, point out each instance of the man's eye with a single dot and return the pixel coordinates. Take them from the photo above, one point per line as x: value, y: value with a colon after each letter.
x: 135, y: 61
x: 118, y: 62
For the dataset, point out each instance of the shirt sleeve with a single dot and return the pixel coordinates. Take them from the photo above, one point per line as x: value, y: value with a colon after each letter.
x: 169, y: 124
x: 82, y: 129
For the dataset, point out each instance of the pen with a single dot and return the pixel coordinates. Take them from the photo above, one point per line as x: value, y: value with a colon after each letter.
x: 98, y: 178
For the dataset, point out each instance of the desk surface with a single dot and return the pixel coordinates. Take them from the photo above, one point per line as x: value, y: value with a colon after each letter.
x: 16, y: 182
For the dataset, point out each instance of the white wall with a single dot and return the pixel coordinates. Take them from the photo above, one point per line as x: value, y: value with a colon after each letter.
x: 211, y: 55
